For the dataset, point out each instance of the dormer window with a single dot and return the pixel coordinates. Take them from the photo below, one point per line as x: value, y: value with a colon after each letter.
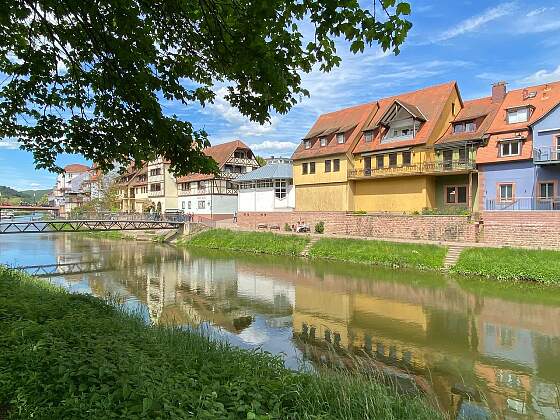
x: 307, y: 144
x: 464, y: 127
x: 518, y: 115
x: 323, y: 141
x: 340, y: 138
x: 368, y: 136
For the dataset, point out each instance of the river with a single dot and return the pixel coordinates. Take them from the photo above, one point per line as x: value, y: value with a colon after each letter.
x: 456, y: 336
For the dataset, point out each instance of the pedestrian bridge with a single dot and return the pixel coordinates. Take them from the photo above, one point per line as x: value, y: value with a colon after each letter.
x: 89, y: 225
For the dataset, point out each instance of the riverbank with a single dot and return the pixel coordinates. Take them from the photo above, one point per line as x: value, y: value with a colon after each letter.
x: 63, y: 355
x: 392, y: 254
x: 511, y: 264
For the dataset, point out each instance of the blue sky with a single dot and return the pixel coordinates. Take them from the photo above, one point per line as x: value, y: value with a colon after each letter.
x: 475, y: 43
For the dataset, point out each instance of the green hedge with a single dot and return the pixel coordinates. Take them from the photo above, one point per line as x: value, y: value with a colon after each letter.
x: 380, y: 252
x: 257, y: 242
x: 65, y: 356
x: 511, y: 264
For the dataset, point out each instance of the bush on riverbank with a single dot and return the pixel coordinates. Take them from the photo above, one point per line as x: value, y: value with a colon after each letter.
x: 69, y: 356
x: 257, y: 242
x: 380, y: 252
x: 511, y: 264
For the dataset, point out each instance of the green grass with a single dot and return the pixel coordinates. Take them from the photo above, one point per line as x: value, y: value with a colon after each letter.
x: 65, y: 356
x: 511, y: 264
x: 380, y: 252
x: 256, y: 242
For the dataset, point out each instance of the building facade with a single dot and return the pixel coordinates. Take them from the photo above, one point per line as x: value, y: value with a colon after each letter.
x: 518, y: 167
x: 215, y: 196
x: 269, y: 188
x: 71, y: 189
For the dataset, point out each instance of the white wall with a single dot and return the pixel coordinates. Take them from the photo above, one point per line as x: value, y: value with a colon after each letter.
x: 213, y: 204
x: 263, y: 199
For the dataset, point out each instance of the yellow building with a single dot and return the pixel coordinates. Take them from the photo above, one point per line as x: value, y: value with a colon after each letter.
x: 404, y: 153
x: 324, y: 159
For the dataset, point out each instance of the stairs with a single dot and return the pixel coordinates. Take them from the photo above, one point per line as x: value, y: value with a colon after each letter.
x: 453, y: 253
x: 305, y: 252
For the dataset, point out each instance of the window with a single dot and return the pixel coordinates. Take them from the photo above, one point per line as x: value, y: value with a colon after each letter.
x: 336, y: 165
x: 264, y: 184
x: 456, y: 194
x: 517, y: 115
x: 546, y: 190
x: 327, y: 165
x: 189, y: 205
x: 392, y: 159
x: 311, y: 167
x: 155, y: 187
x: 340, y: 138
x: 155, y: 172
x: 201, y: 204
x: 367, y: 165
x: 464, y: 127
x: 462, y: 156
x: 406, y: 158
x: 510, y: 148
x: 183, y: 205
x: 323, y: 141
x: 280, y: 189
x: 368, y: 136
x: 307, y: 144
x: 505, y: 192
x: 201, y: 185
x: 380, y: 161
x: 304, y: 168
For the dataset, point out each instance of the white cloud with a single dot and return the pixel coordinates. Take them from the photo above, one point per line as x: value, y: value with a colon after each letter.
x: 273, y: 145
x: 9, y: 144
x: 542, y: 76
x: 539, y: 11
x: 34, y: 184
x: 475, y: 22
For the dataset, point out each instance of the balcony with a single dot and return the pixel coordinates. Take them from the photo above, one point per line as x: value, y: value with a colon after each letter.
x: 241, y: 161
x: 159, y: 193
x: 424, y: 168
x: 157, y: 178
x: 546, y: 155
x: 229, y: 175
x: 523, y: 204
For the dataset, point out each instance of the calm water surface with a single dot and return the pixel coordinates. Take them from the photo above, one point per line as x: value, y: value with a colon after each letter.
x: 452, y: 336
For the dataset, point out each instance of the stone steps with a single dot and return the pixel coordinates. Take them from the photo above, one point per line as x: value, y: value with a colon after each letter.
x: 453, y: 253
x: 305, y: 252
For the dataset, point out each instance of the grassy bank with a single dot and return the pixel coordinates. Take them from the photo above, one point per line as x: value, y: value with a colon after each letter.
x: 69, y: 356
x: 110, y: 234
x: 511, y: 264
x: 256, y: 242
x: 380, y: 252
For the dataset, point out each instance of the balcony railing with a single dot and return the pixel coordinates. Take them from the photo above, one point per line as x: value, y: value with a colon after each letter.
x: 523, y: 204
x: 157, y: 178
x: 215, y: 190
x: 229, y: 175
x: 241, y: 161
x: 544, y: 155
x: 159, y: 193
x: 424, y: 168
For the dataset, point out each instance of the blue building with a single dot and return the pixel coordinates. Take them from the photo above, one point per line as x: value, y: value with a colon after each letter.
x: 519, y: 167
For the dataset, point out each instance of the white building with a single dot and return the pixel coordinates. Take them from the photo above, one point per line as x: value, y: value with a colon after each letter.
x: 215, y: 196
x: 72, y: 188
x: 269, y: 188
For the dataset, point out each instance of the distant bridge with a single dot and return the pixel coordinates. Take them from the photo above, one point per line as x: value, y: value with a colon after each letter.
x: 87, y: 225
x: 8, y: 207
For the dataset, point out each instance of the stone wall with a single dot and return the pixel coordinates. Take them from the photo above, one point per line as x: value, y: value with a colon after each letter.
x: 376, y: 225
x: 522, y: 228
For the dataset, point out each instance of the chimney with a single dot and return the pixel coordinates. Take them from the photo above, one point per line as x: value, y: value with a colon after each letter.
x: 498, y: 92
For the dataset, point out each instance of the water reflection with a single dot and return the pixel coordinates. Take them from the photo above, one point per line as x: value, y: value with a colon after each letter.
x: 452, y: 337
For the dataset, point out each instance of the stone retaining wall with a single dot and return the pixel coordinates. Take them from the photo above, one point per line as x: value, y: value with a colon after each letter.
x: 380, y: 225
x: 522, y: 228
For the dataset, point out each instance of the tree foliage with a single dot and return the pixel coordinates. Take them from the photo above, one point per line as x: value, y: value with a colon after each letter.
x: 93, y: 77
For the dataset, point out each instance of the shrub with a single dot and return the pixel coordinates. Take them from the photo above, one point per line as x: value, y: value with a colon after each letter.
x: 320, y: 227
x: 287, y: 227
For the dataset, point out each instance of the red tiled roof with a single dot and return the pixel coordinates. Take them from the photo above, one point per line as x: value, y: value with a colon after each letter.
x: 76, y: 168
x: 428, y: 101
x: 220, y: 153
x: 348, y: 120
x: 545, y: 98
x: 482, y: 111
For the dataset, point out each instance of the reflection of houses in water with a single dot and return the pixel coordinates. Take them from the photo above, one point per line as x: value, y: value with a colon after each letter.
x: 421, y: 331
